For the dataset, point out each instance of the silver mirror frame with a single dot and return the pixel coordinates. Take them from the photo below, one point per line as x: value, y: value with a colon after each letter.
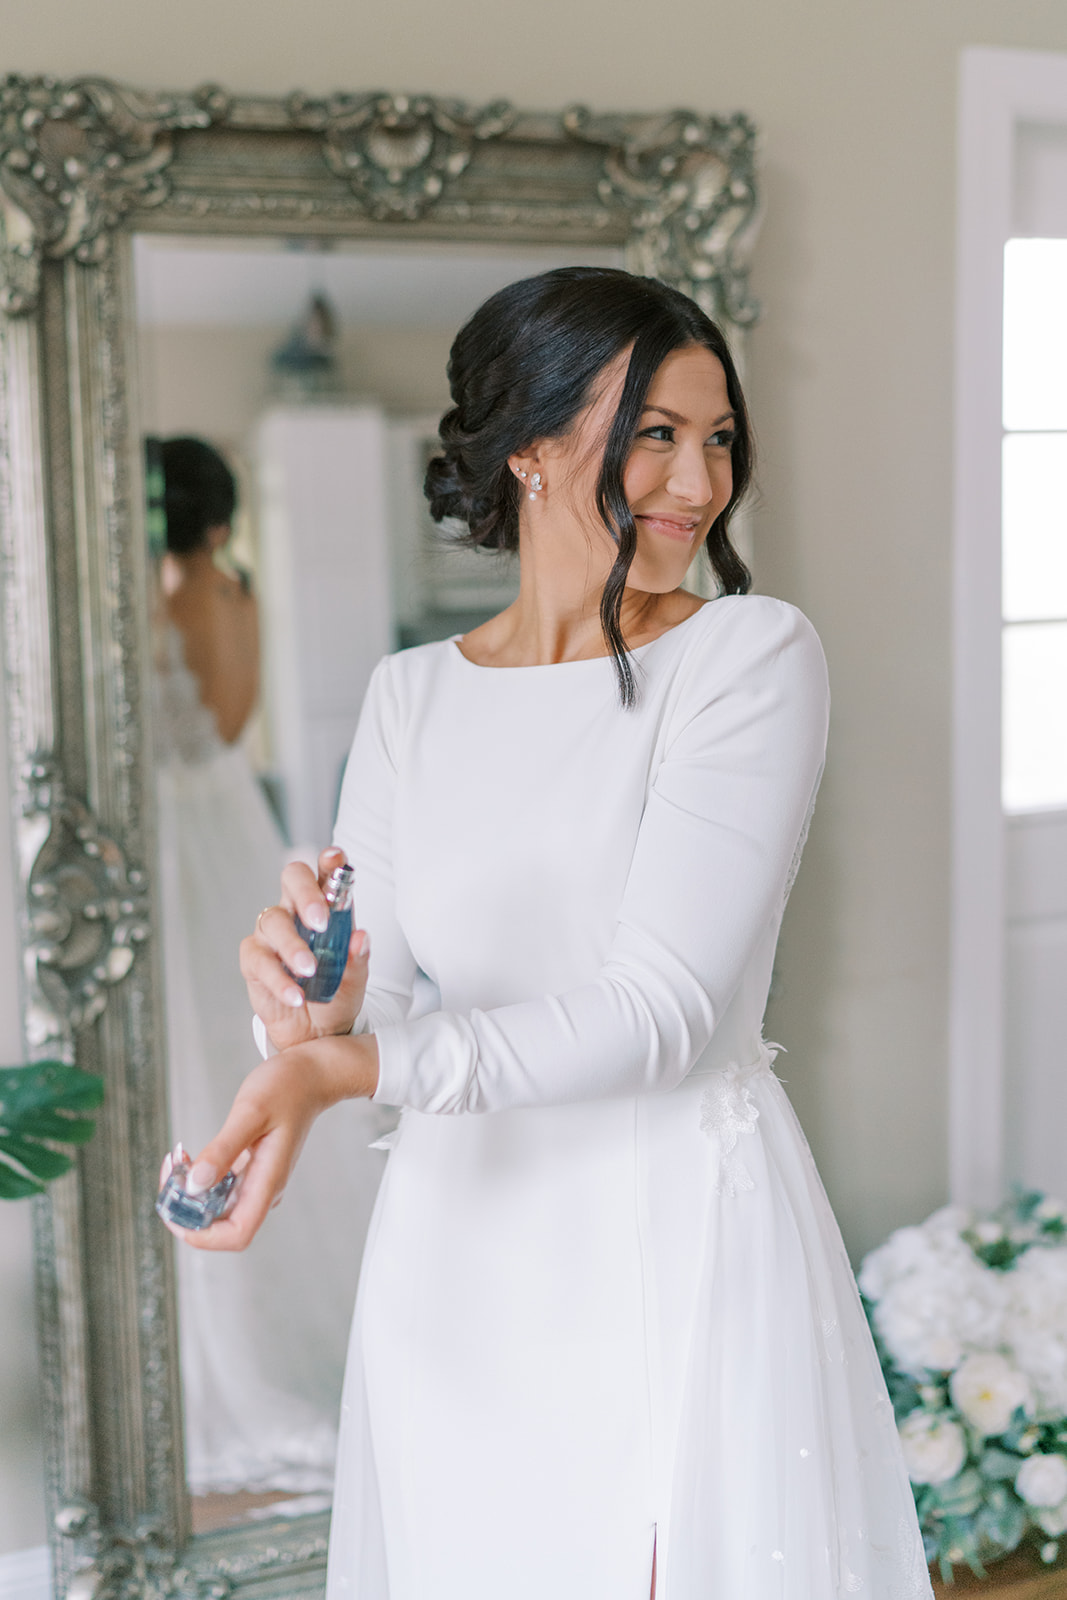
x: 83, y: 165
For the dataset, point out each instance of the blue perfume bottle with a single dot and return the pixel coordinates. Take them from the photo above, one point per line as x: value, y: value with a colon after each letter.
x: 330, y: 947
x: 196, y: 1211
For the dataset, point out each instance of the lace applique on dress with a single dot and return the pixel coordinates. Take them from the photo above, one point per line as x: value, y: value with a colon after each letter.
x: 727, y: 1110
x: 802, y: 839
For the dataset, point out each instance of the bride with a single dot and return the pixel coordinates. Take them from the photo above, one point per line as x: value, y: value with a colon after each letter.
x: 607, y: 1343
x: 262, y: 1339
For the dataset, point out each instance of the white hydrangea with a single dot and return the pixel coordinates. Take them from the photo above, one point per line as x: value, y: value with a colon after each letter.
x: 934, y: 1447
x: 1042, y: 1481
x: 1035, y: 1325
x: 933, y: 1299
x: 987, y: 1389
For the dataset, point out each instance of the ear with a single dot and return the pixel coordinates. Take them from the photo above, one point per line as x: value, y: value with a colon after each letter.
x: 524, y: 465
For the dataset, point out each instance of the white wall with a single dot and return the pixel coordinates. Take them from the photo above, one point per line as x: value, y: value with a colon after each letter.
x: 851, y: 387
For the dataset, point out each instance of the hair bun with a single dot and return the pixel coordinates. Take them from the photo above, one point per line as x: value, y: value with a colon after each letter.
x: 462, y: 489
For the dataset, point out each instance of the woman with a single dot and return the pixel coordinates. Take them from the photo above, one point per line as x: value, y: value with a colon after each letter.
x: 261, y: 1402
x: 607, y: 1343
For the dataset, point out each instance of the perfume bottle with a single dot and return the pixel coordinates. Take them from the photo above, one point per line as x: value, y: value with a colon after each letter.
x: 195, y: 1211
x: 330, y: 947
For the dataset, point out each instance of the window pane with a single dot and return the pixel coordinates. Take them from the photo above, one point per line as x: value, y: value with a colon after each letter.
x: 1035, y: 525
x: 1035, y: 333
x: 1035, y: 715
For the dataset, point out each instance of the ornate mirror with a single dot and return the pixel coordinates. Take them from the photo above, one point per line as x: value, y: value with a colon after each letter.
x: 280, y: 278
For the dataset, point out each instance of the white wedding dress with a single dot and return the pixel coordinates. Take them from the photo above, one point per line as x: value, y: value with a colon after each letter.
x: 263, y: 1334
x: 604, y: 1304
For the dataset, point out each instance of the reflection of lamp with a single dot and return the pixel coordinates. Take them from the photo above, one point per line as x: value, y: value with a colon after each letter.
x: 305, y: 365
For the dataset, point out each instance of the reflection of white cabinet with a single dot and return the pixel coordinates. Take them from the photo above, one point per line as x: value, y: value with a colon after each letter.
x: 439, y: 587
x: 326, y: 601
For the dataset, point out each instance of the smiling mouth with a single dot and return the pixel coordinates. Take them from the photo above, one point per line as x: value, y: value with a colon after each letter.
x: 671, y: 527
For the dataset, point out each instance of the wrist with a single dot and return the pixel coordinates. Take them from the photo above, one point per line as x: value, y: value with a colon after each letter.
x: 346, y: 1066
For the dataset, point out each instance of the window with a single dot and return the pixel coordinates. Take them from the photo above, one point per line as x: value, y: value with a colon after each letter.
x: 1034, y: 547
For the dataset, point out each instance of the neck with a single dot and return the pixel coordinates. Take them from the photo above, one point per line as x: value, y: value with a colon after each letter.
x: 557, y: 614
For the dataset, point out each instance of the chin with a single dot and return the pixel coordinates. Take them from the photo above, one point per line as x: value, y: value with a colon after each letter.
x: 659, y: 577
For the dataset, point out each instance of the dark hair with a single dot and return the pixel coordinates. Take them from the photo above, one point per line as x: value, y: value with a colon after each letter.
x: 524, y: 366
x: 200, y: 492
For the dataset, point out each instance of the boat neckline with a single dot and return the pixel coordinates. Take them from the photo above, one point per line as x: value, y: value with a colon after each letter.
x: 579, y: 661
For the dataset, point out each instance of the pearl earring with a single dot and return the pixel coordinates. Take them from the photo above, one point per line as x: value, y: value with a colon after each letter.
x: 535, y: 484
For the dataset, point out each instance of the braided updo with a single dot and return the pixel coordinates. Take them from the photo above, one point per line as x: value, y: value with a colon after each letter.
x: 523, y: 368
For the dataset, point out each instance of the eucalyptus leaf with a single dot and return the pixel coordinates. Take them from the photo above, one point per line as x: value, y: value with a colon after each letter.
x: 40, y: 1107
x: 999, y: 1464
x: 1004, y: 1526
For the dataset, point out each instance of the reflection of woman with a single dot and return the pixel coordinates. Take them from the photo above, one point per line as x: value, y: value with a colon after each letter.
x: 607, y: 1341
x: 262, y: 1337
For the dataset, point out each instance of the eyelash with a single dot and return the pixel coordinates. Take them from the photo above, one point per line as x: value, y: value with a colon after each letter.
x: 723, y: 438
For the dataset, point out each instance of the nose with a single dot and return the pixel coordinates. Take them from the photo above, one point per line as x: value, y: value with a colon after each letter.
x: 689, y: 479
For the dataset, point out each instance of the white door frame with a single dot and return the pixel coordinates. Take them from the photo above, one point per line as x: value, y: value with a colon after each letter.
x: 1000, y: 90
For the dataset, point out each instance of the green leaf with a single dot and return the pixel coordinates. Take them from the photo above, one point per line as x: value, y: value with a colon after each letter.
x: 39, y: 1159
x: 1004, y: 1526
x: 40, y: 1107
x: 961, y: 1496
x: 999, y: 1464
x: 15, y: 1185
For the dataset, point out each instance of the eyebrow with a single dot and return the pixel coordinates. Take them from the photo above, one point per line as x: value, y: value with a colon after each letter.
x: 675, y: 416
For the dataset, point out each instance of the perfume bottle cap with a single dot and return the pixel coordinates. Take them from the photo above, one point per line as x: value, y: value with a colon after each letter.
x: 338, y: 887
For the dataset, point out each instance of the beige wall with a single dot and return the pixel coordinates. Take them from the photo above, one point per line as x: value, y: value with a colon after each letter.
x: 851, y: 386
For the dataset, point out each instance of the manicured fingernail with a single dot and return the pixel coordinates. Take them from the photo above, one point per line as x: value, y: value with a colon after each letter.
x: 305, y: 963
x: 293, y: 997
x: 201, y: 1178
x: 317, y: 918
x: 242, y: 1161
x: 363, y: 948
x: 166, y: 1169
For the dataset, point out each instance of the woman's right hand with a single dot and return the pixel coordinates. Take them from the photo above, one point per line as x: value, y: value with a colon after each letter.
x: 275, y: 946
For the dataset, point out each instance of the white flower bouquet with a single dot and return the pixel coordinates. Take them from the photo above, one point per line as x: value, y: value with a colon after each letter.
x: 969, y: 1313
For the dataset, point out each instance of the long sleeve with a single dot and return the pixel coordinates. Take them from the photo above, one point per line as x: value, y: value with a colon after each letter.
x: 708, y: 874
x: 364, y: 831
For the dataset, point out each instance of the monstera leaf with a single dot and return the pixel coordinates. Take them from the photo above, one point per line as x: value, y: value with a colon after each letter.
x: 42, y: 1106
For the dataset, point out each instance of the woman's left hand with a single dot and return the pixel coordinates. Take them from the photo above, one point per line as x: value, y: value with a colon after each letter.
x: 268, y: 1123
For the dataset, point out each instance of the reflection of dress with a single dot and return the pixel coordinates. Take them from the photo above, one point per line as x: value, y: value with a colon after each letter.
x: 604, y: 1297
x: 263, y: 1333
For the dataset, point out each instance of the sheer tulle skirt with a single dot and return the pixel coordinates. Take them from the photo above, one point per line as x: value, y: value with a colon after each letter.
x: 789, y: 1482
x: 781, y: 1475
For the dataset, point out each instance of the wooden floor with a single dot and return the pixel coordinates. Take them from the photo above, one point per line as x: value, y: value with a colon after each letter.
x: 211, y: 1511
x: 1017, y: 1578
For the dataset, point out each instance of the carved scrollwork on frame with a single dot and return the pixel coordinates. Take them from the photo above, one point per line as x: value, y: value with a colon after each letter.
x: 74, y: 158
x: 87, y: 912
x: 398, y: 153
x: 689, y: 182
x: 78, y: 158
x: 114, y: 1564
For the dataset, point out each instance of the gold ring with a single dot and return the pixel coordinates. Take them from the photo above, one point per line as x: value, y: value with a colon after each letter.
x: 262, y: 914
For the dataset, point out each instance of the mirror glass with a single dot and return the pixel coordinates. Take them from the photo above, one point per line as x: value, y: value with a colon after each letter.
x: 309, y: 378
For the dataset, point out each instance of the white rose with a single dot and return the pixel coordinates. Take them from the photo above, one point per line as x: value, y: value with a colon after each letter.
x: 1042, y: 1481
x: 988, y: 1232
x: 987, y: 1389
x: 934, y: 1447
x: 1035, y: 1324
x: 937, y: 1300
x: 1048, y: 1210
x: 1053, y: 1520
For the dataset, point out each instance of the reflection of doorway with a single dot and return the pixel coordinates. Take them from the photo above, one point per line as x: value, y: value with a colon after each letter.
x: 1009, y: 994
